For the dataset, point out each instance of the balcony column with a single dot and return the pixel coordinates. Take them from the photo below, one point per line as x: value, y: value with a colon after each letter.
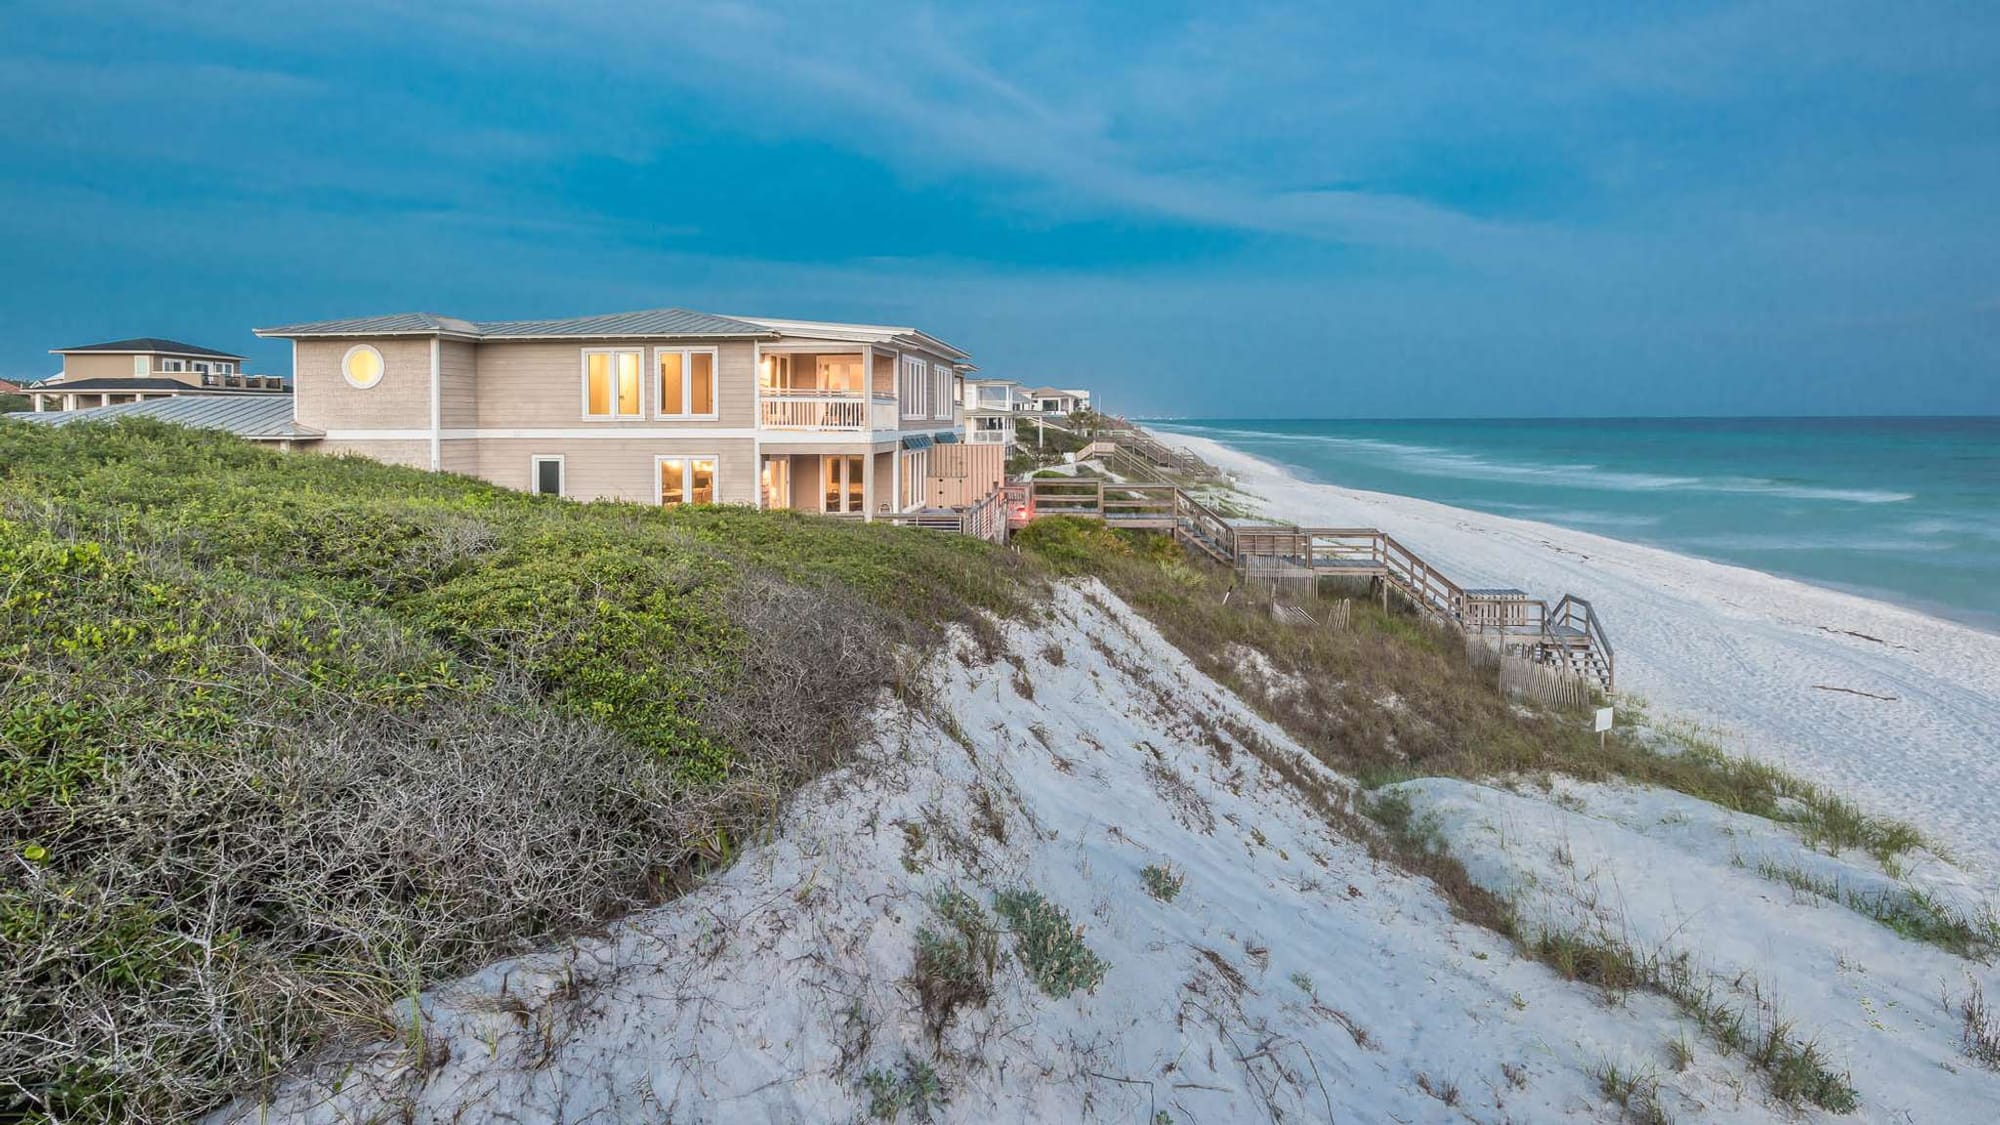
x: 868, y: 487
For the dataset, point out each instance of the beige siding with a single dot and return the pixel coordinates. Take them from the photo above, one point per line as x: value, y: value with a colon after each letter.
x: 325, y: 400
x: 415, y: 454
x: 458, y: 384
x: 540, y: 385
x: 620, y: 468
x: 459, y: 456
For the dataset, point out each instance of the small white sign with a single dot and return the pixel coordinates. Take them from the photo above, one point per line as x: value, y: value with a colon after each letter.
x: 1603, y: 719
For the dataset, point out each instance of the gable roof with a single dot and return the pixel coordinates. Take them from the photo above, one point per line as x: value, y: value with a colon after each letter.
x: 682, y: 323
x: 259, y: 417
x: 147, y: 345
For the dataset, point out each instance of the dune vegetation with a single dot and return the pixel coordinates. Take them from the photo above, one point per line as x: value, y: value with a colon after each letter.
x: 284, y: 738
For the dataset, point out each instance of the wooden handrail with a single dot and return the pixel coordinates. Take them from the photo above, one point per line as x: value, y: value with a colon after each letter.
x: 1201, y: 527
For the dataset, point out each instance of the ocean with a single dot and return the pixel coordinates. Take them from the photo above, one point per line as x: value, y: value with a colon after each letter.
x: 1902, y: 509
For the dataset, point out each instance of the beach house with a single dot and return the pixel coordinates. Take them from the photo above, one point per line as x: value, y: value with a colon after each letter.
x: 665, y: 406
x: 991, y: 408
x: 122, y: 371
x: 1058, y: 400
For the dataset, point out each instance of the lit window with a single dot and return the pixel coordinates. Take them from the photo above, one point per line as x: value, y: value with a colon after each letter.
x: 362, y: 366
x: 611, y: 384
x: 687, y: 480
x: 687, y: 382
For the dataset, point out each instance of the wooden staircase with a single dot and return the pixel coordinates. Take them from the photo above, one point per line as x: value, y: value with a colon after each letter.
x: 1568, y: 635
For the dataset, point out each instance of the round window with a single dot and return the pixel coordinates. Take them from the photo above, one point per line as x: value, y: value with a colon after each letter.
x: 362, y: 365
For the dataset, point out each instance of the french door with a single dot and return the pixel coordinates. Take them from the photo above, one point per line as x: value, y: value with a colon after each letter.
x: 841, y: 481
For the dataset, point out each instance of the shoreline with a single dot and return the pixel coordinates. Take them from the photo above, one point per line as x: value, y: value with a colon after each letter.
x: 1890, y: 705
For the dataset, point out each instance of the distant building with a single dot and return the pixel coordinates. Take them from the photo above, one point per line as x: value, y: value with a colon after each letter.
x: 123, y: 371
x: 991, y: 405
x: 1058, y: 400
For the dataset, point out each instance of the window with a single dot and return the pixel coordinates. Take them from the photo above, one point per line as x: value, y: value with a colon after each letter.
x: 775, y: 373
x: 611, y: 383
x: 686, y: 382
x: 173, y: 365
x: 777, y: 482
x: 361, y: 366
x: 941, y: 390
x: 546, y: 475
x: 916, y: 388
x: 839, y: 373
x: 686, y: 480
x: 842, y: 484
x: 916, y: 467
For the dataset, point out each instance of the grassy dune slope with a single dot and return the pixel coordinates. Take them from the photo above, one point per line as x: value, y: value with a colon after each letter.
x: 283, y: 737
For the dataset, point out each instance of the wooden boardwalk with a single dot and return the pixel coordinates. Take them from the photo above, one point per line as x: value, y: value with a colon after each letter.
x: 1567, y: 635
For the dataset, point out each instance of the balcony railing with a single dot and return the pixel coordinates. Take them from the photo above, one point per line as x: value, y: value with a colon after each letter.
x: 825, y: 410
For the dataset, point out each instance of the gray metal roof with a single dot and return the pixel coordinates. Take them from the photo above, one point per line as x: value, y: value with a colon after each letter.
x: 126, y: 384
x: 649, y: 322
x: 148, y: 345
x: 395, y: 324
x: 258, y: 417
x: 679, y: 323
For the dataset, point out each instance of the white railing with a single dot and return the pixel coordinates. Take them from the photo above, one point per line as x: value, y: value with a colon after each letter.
x: 987, y: 437
x: 824, y: 410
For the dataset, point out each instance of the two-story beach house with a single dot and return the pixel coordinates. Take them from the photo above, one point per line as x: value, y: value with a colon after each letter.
x: 122, y: 371
x: 991, y: 406
x: 666, y: 406
x: 1058, y: 400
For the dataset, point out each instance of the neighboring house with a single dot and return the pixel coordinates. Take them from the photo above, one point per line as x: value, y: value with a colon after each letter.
x: 124, y: 371
x: 9, y: 387
x: 990, y: 409
x: 1057, y: 400
x: 666, y: 406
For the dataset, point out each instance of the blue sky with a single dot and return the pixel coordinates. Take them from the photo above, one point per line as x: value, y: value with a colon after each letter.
x: 1256, y: 209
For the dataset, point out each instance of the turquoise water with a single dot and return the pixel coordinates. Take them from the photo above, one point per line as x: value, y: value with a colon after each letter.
x: 1903, y: 509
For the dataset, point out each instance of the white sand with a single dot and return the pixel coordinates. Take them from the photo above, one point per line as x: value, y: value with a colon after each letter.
x: 1293, y: 977
x: 1746, y: 652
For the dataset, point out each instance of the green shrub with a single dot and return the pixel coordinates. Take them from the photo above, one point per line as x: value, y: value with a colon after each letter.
x: 281, y: 735
x: 1048, y: 943
x: 1162, y: 882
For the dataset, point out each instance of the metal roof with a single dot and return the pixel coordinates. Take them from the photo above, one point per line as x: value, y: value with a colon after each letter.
x: 258, y: 417
x: 395, y: 324
x: 131, y: 384
x: 648, y: 322
x: 680, y: 323
x: 148, y: 345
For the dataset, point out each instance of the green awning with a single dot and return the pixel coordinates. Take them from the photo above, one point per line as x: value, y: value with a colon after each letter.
x: 916, y: 441
x: 947, y: 437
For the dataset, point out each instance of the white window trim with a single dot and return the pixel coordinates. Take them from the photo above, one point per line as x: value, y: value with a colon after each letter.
x: 941, y: 400
x: 381, y: 366
x: 687, y: 384
x: 916, y: 404
x: 687, y: 472
x: 535, y: 473
x: 583, y: 385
